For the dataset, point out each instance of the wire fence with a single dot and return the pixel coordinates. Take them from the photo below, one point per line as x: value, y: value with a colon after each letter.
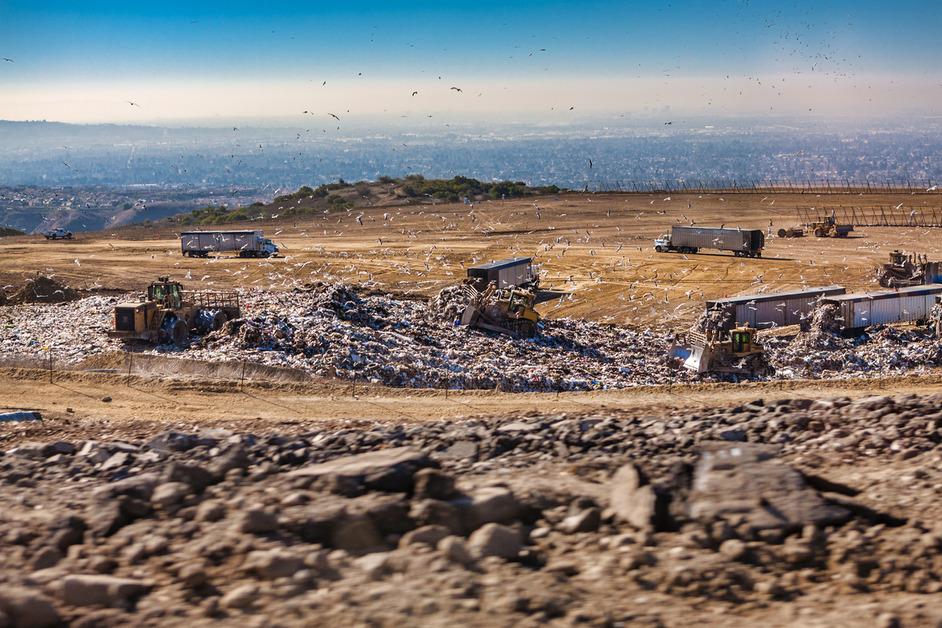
x: 770, y: 186
x: 879, y: 216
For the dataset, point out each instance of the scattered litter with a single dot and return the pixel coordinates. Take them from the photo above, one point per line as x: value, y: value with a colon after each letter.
x: 20, y: 416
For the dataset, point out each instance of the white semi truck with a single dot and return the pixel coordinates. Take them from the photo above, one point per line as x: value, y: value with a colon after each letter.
x: 246, y: 243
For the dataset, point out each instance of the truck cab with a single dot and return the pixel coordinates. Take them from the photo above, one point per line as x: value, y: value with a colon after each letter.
x: 662, y: 243
x: 269, y: 248
x: 58, y: 234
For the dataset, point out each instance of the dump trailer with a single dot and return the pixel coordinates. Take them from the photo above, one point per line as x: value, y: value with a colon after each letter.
x: 246, y: 243
x: 516, y: 272
x: 908, y: 270
x: 742, y: 242
x: 168, y: 315
x: 733, y: 352
x: 860, y: 310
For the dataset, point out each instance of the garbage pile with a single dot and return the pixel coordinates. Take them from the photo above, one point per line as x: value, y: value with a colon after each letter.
x: 42, y: 289
x: 882, y: 351
x: 716, y: 319
x: 332, y: 330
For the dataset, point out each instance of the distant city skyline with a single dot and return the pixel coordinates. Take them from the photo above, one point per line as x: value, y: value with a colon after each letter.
x: 206, y: 63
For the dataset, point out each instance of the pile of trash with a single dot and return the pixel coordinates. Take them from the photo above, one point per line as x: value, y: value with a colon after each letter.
x: 450, y: 302
x: 41, y: 289
x: 331, y: 330
x: 822, y: 354
x: 716, y: 319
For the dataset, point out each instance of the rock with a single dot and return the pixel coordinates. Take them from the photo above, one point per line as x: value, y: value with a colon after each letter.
x: 494, y: 539
x: 434, y: 484
x: 455, y: 550
x: 115, y: 461
x: 240, y: 597
x: 745, y: 483
x: 257, y: 520
x: 390, y: 470
x: 426, y: 535
x: 106, y: 399
x: 375, y: 565
x: 169, y: 442
x: 193, y: 575
x: 194, y: 476
x: 584, y: 521
x: 460, y: 449
x: 435, y: 512
x: 490, y: 504
x: 26, y: 608
x: 210, y: 510
x: 46, y: 557
x: 733, y: 549
x: 633, y: 498
x: 235, y: 457
x: 170, y: 494
x: 101, y: 590
x: 355, y: 532
x: 271, y: 564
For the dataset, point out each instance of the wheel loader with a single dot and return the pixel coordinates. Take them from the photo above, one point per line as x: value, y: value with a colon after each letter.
x: 167, y: 315
x: 505, y: 311
x: 828, y: 228
x: 733, y: 352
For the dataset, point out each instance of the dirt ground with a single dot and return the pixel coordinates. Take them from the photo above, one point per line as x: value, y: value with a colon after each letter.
x: 596, y: 250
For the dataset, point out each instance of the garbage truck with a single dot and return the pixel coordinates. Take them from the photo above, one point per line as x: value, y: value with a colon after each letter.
x: 246, y: 243
x: 742, y: 242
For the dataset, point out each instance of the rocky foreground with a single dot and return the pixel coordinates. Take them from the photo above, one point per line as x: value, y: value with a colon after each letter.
x: 795, y: 511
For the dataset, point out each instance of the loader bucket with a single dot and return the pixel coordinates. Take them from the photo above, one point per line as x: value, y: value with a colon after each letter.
x: 698, y: 360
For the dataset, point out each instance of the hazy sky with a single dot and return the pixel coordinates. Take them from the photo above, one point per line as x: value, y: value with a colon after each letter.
x: 524, y: 60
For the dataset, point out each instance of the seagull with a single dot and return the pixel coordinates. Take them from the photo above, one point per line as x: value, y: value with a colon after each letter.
x: 9, y: 60
x: 415, y: 92
x: 590, y: 164
x: 334, y: 115
x: 133, y: 104
x: 668, y: 123
x: 571, y: 108
x: 457, y: 89
x: 66, y: 165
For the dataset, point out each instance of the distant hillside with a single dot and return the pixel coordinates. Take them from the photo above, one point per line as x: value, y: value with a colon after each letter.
x: 7, y: 231
x: 340, y: 196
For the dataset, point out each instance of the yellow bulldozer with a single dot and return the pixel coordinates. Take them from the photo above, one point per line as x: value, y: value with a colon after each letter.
x: 828, y: 228
x: 733, y: 352
x: 505, y: 311
x: 169, y: 316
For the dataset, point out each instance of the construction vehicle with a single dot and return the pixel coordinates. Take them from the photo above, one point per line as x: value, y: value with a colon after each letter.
x: 58, y: 234
x: 733, y: 352
x: 828, y: 228
x: 909, y: 270
x: 169, y: 316
x: 792, y: 232
x: 742, y: 242
x: 505, y: 311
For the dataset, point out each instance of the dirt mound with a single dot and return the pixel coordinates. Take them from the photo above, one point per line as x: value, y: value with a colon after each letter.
x: 42, y: 289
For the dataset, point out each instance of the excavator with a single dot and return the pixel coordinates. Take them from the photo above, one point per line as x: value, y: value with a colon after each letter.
x: 169, y: 316
x: 505, y: 311
x: 733, y: 352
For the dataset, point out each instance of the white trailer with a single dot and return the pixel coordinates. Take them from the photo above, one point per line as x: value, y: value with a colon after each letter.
x: 246, y: 243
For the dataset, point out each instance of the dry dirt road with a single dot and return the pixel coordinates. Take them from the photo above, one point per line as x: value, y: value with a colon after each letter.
x: 595, y: 249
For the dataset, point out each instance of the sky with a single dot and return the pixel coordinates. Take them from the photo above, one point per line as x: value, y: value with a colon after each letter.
x: 230, y: 62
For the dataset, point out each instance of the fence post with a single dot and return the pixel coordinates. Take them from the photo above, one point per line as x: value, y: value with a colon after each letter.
x: 130, y: 362
x: 242, y: 379
x: 50, y: 366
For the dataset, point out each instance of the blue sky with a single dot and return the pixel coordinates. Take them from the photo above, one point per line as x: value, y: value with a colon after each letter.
x: 109, y: 46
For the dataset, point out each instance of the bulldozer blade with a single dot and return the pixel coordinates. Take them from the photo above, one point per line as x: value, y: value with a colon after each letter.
x: 698, y: 360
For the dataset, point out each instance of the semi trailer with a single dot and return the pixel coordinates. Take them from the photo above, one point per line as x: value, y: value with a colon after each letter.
x: 246, y: 243
x: 742, y: 242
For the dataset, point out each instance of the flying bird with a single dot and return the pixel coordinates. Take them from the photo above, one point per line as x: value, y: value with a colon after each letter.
x: 590, y: 164
x: 334, y: 115
x: 415, y: 92
x: 133, y: 104
x: 9, y: 60
x: 668, y: 123
x: 571, y: 108
x: 457, y: 89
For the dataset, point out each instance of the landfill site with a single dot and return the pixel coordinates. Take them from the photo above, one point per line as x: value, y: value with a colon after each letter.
x: 598, y: 409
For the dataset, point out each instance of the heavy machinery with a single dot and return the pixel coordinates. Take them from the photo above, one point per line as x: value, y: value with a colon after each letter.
x: 908, y: 270
x: 733, y: 352
x: 167, y: 316
x: 828, y: 228
x: 791, y: 232
x: 505, y: 311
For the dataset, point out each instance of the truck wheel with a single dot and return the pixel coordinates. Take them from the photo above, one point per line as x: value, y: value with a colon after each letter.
x: 659, y: 248
x: 218, y: 321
